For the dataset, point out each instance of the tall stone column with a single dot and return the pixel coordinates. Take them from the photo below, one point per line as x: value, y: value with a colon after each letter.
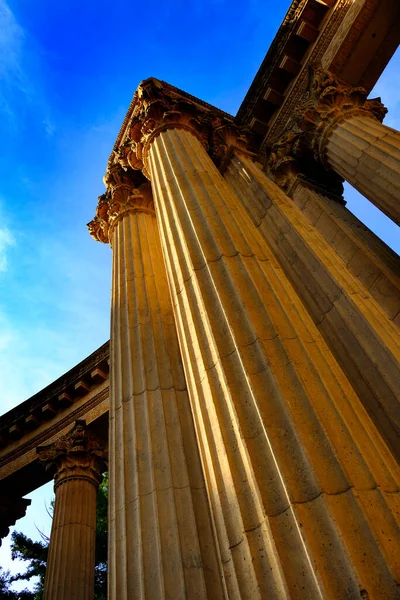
x: 347, y: 136
x: 368, y: 347
x: 77, y: 461
x: 365, y: 255
x: 161, y: 536
x: 302, y: 485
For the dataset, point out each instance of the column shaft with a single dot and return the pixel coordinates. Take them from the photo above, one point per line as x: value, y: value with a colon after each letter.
x: 298, y: 475
x: 366, y: 256
x: 71, y: 562
x: 162, y: 542
x: 368, y: 347
x: 367, y: 154
x: 77, y: 459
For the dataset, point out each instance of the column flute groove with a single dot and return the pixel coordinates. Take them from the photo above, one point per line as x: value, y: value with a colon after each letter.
x: 330, y: 293
x: 345, y: 132
x: 164, y: 542
x: 77, y: 460
x: 297, y: 473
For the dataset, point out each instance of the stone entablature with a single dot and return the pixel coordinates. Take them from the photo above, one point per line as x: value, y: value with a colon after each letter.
x: 50, y: 402
x: 353, y: 40
x: 82, y: 393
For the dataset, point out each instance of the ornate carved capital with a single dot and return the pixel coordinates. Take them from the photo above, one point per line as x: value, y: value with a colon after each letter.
x: 159, y: 106
x: 127, y: 191
x: 282, y: 163
x: 76, y: 455
x: 329, y: 101
x: 289, y: 161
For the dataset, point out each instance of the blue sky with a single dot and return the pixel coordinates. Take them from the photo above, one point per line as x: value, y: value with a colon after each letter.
x: 68, y: 70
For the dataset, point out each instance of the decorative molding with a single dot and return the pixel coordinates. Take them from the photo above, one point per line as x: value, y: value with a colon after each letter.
x: 299, y: 88
x: 127, y: 191
x: 271, y: 60
x: 75, y: 415
x: 76, y: 455
x: 46, y: 405
x: 123, y: 132
x: 327, y: 102
x: 158, y: 107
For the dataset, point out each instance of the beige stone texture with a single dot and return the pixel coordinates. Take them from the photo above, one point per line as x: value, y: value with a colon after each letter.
x: 162, y: 543
x: 77, y: 460
x: 367, y: 154
x: 374, y: 264
x: 302, y: 486
x: 364, y: 341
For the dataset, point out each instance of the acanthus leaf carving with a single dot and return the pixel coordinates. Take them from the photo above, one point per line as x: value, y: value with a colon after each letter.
x: 127, y: 190
x: 327, y: 102
x: 302, y: 146
x: 76, y: 454
x: 159, y: 106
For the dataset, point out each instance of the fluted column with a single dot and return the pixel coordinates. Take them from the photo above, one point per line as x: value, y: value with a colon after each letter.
x: 365, y: 255
x: 368, y: 347
x: 161, y: 537
x: 367, y: 154
x: 346, y: 134
x: 77, y: 460
x: 302, y: 485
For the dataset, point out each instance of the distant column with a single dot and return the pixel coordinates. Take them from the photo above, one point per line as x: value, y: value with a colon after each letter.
x: 161, y: 540
x: 347, y: 135
x: 77, y: 461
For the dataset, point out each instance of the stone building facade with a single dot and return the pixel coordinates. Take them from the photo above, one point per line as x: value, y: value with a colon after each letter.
x: 253, y: 396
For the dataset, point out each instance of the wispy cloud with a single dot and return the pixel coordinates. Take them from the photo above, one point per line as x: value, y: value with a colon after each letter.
x: 22, y: 86
x: 6, y: 240
x: 11, y: 43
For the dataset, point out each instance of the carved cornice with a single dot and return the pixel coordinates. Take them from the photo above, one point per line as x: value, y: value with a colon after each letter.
x: 157, y: 106
x: 369, y: 8
x: 76, y: 455
x: 8, y: 460
x: 127, y: 191
x: 46, y: 407
x: 328, y: 102
x: 295, y: 95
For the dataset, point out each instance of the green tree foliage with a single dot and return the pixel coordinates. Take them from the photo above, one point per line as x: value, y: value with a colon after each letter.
x: 36, y: 553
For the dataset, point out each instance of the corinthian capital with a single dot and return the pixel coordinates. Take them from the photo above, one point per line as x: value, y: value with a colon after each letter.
x: 75, y: 455
x: 327, y: 102
x: 127, y: 191
x: 158, y: 106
